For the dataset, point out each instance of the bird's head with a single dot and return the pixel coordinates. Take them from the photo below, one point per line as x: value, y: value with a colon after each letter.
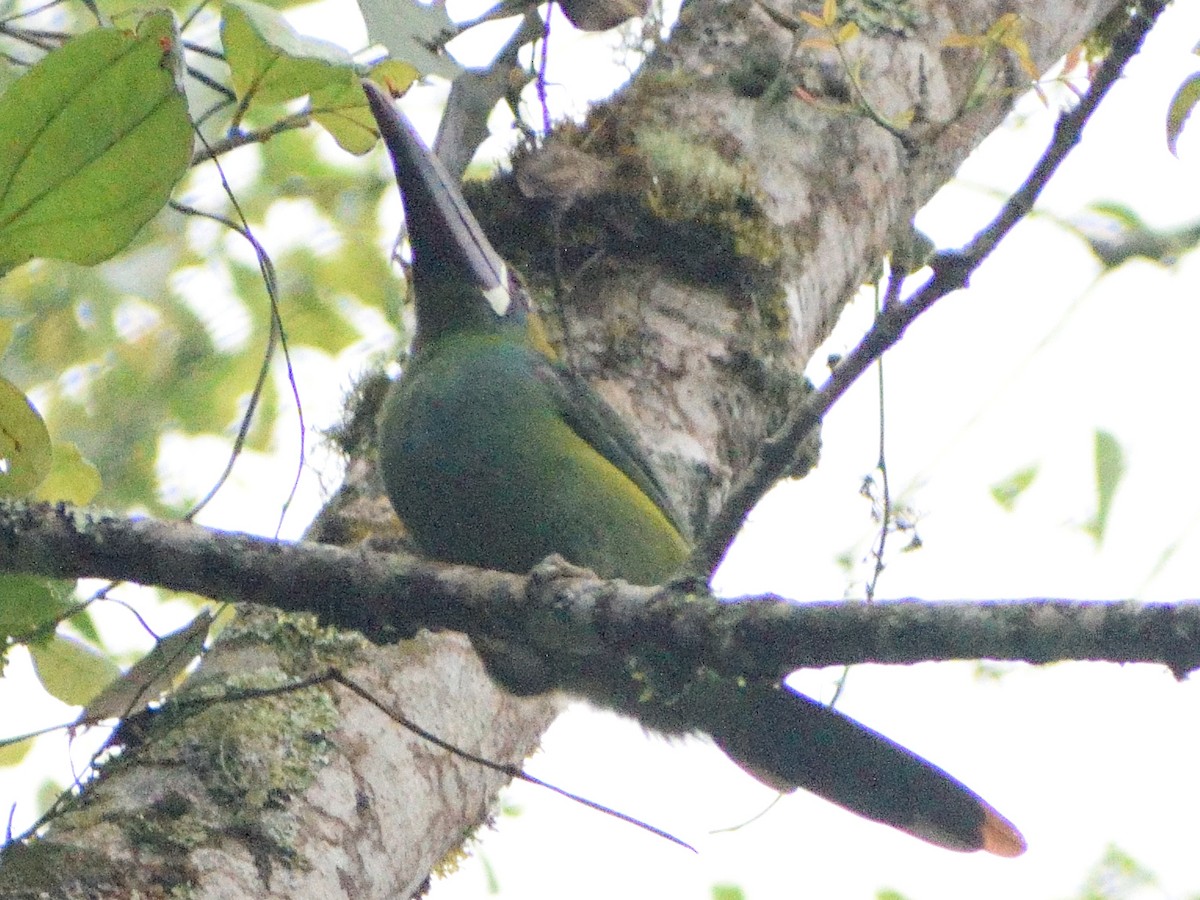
x: 461, y: 283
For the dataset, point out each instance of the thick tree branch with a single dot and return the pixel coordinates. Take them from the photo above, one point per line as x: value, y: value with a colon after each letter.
x: 392, y: 595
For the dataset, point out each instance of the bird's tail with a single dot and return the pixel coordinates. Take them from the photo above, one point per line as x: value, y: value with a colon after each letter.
x: 788, y: 741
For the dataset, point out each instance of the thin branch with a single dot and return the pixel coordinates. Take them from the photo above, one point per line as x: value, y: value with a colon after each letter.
x: 951, y: 271
x: 300, y: 119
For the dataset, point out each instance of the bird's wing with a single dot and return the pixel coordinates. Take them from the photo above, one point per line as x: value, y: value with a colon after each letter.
x: 586, y: 413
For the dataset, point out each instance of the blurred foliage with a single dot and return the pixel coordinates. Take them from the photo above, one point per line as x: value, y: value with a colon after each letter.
x: 1109, y: 460
x: 99, y: 363
x: 70, y: 669
x: 120, y: 353
x: 1006, y: 491
x: 1115, y: 233
x: 1118, y: 876
x: 24, y: 443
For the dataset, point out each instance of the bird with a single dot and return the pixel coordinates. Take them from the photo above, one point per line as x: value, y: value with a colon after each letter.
x: 495, y: 455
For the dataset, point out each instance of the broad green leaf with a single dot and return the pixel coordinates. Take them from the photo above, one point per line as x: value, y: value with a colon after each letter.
x: 151, y: 676
x: 342, y: 108
x: 1181, y: 107
x: 71, y: 477
x: 25, y: 454
x: 408, y: 29
x: 71, y: 670
x: 394, y: 74
x: 96, y: 135
x: 342, y: 111
x: 1007, y: 491
x: 270, y: 62
x: 1110, y: 469
x: 28, y: 603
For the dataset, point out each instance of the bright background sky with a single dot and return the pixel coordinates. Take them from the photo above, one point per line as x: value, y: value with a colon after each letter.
x: 1020, y: 370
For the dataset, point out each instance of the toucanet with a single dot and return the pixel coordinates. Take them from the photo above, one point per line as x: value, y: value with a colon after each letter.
x: 494, y: 455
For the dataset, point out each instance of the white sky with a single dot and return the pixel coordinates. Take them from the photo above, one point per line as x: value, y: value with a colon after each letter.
x: 1019, y: 370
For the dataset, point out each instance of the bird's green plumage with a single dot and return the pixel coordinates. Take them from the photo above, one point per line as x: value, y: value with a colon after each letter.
x: 494, y: 455
x: 488, y: 466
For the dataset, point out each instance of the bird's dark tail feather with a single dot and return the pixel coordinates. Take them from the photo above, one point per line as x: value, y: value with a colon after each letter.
x: 789, y: 741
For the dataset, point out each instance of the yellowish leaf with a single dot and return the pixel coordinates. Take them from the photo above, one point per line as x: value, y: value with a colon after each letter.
x: 963, y: 40
x: 818, y: 44
x: 71, y: 670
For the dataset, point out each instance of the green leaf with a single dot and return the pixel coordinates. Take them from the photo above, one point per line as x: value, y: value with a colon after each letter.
x: 1123, y: 214
x: 1118, y: 875
x: 1007, y: 491
x: 48, y: 791
x: 1123, y: 235
x: 12, y: 752
x: 25, y: 454
x: 71, y: 477
x: 71, y: 670
x: 28, y: 603
x: 271, y: 62
x: 408, y: 29
x: 96, y: 135
x: 1181, y: 107
x: 82, y: 622
x: 342, y: 110
x: 152, y: 675
x: 1110, y: 469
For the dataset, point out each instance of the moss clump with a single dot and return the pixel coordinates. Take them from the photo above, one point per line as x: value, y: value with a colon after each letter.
x: 252, y: 753
x: 693, y: 183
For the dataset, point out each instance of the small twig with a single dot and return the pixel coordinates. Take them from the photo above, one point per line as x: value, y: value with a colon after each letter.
x: 291, y: 122
x: 30, y: 12
x: 191, y: 17
x: 204, y: 51
x: 212, y: 84
x: 951, y: 270
x: 32, y: 38
x: 541, y: 74
x: 911, y: 148
x: 276, y: 335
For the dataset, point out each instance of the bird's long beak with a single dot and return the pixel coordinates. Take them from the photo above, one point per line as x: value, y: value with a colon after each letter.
x: 447, y: 241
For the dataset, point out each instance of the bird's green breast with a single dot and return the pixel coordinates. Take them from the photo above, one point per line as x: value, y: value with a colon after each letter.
x: 483, y: 468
